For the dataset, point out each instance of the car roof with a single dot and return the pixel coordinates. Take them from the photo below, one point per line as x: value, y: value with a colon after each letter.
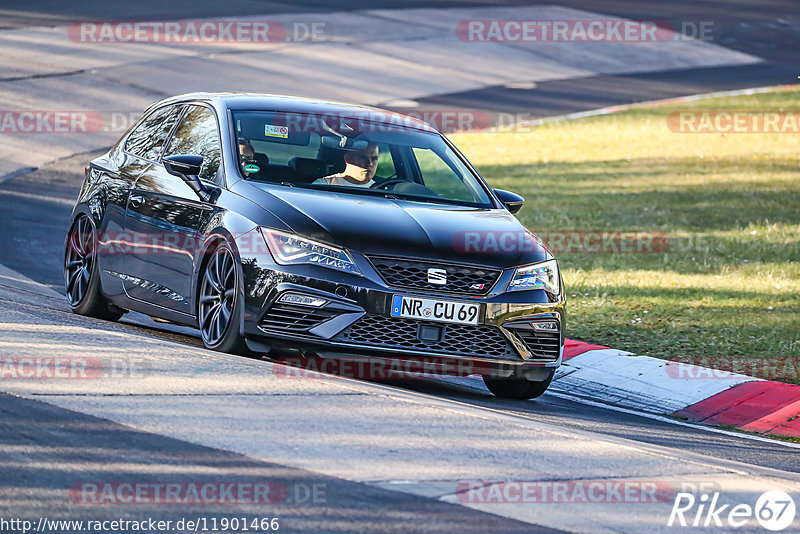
x: 297, y: 104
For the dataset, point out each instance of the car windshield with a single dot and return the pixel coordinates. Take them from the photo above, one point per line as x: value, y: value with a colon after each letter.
x: 351, y: 154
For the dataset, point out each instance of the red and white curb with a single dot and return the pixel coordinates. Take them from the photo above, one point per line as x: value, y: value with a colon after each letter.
x: 699, y: 394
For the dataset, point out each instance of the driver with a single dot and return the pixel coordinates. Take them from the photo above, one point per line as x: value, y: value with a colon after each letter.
x: 359, y: 170
x: 247, y: 155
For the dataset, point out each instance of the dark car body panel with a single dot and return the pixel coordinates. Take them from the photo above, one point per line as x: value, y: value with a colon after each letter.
x: 407, y: 228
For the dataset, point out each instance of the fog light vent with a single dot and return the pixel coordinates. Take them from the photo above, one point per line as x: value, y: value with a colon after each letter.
x: 302, y: 300
x: 545, y: 326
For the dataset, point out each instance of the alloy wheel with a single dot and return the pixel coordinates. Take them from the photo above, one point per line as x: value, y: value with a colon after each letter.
x: 79, y: 259
x: 217, y: 292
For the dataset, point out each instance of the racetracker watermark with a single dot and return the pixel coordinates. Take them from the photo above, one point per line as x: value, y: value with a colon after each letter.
x: 584, y: 31
x: 734, y: 122
x: 731, y: 367
x: 281, y: 124
x: 50, y: 121
x: 561, y: 242
x: 565, y: 492
x: 198, y: 492
x: 376, y: 368
x: 356, y: 122
x: 158, y: 243
x: 474, y: 120
x: 70, y: 368
x: 465, y: 242
x: 197, y: 31
x: 214, y: 523
x: 286, y: 125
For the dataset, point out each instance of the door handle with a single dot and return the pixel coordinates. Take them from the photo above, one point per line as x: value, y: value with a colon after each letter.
x: 136, y: 200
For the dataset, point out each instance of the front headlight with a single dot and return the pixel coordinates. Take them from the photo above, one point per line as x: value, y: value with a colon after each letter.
x: 290, y: 249
x: 539, y: 276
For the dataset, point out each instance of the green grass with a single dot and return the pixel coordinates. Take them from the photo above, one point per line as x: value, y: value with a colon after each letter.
x: 729, y: 282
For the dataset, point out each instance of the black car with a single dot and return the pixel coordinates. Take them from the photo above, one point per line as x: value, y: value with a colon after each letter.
x: 278, y: 224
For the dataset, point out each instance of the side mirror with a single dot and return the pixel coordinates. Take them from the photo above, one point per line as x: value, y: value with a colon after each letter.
x: 512, y: 201
x: 184, y: 166
x: 187, y: 167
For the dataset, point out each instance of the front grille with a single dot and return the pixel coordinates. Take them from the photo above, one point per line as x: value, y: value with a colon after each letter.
x: 542, y: 345
x: 414, y: 275
x: 458, y: 340
x: 291, y: 318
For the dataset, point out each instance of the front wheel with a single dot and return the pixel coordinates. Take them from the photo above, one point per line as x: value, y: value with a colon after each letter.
x: 219, y: 304
x: 517, y: 388
x: 81, y: 273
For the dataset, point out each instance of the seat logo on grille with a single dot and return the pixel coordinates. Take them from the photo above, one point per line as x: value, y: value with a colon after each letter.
x: 437, y: 277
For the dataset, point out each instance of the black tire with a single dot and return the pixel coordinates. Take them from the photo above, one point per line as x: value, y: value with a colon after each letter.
x: 81, y: 273
x: 219, y: 305
x: 517, y: 388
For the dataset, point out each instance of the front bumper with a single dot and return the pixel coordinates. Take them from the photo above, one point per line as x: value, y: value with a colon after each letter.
x: 356, y: 319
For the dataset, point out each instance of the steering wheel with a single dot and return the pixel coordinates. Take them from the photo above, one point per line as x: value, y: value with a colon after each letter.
x: 387, y: 182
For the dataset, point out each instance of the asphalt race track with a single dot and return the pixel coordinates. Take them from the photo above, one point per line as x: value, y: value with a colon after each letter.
x: 767, y: 29
x: 191, y: 415
x: 385, y: 456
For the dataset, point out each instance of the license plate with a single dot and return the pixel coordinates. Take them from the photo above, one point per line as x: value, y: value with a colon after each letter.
x: 446, y: 311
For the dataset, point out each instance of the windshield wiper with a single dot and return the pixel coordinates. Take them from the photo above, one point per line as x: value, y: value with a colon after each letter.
x: 377, y: 193
x: 413, y: 198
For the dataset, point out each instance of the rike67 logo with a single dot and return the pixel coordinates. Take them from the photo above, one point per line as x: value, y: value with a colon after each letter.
x: 774, y: 510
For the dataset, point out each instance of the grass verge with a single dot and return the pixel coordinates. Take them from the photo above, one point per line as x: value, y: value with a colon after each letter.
x: 725, y: 291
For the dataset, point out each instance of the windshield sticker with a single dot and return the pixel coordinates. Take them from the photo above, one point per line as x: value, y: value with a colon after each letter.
x: 276, y: 131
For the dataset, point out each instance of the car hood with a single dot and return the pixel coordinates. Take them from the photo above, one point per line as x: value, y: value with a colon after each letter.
x: 403, y: 228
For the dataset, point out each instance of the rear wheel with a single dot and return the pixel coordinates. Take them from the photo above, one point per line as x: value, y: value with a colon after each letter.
x: 81, y: 273
x: 517, y: 388
x: 219, y: 305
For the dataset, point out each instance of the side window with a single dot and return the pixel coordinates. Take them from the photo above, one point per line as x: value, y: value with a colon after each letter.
x: 148, y: 138
x: 197, y: 134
